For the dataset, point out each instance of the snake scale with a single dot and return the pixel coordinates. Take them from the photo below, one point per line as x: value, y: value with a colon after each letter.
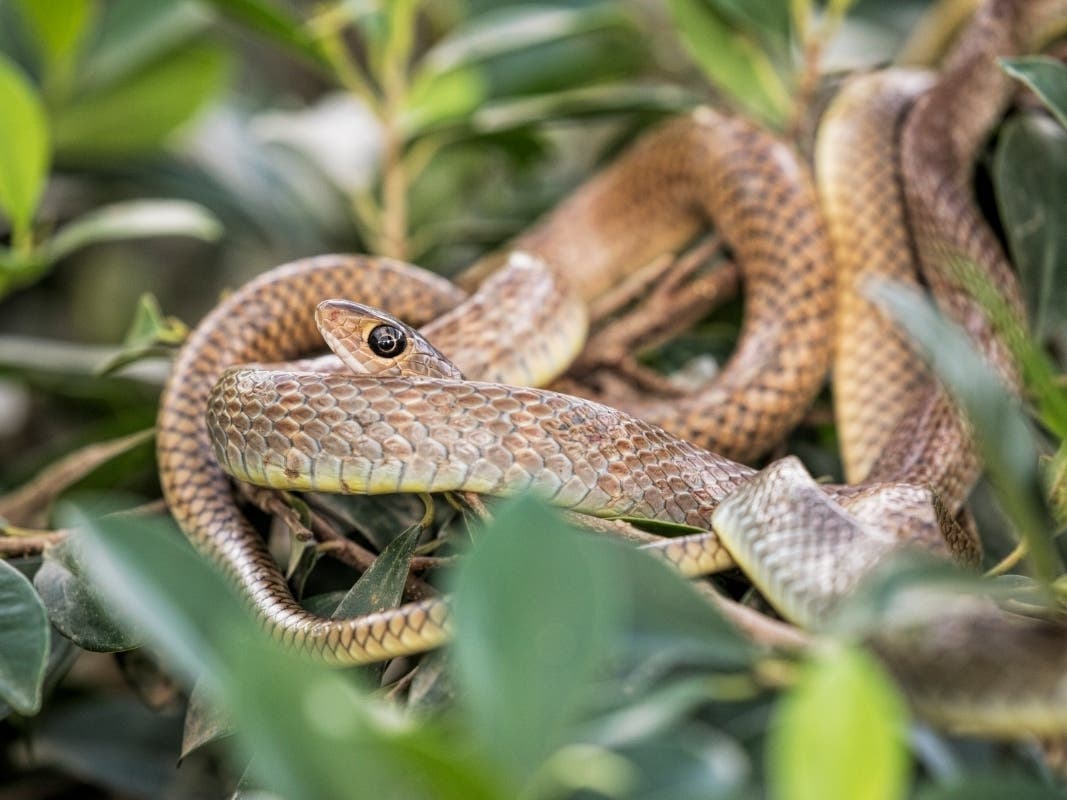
x: 894, y: 163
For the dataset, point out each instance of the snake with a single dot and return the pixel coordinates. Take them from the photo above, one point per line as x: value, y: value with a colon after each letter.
x: 495, y: 433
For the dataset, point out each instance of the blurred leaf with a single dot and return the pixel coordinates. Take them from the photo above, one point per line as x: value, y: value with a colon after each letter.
x: 330, y: 732
x: 586, y: 102
x: 58, y: 27
x: 1030, y: 173
x: 133, y: 34
x: 535, y: 608
x: 731, y: 60
x: 1046, y: 76
x: 770, y: 20
x: 274, y: 23
x: 382, y: 586
x: 138, y: 114
x: 840, y: 732
x: 1007, y: 444
x: 508, y: 29
x: 24, y: 147
x: 438, y: 97
x: 24, y: 636
x: 151, y: 334
x: 539, y: 49
x: 134, y: 219
x: 73, y: 604
x: 111, y: 741
x: 989, y: 787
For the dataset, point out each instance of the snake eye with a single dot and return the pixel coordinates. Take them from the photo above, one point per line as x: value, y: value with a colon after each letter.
x: 387, y: 341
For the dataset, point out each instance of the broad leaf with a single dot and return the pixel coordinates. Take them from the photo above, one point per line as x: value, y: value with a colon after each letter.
x: 24, y: 636
x: 840, y: 733
x: 1046, y: 76
x: 1030, y: 175
x: 24, y: 146
x: 138, y: 114
x: 535, y: 609
x: 74, y: 605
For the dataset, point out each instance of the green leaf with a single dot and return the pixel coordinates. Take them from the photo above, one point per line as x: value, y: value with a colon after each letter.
x: 273, y: 23
x: 990, y: 787
x: 840, y: 733
x: 535, y: 609
x: 731, y: 60
x: 767, y: 19
x: 134, y: 219
x: 59, y: 27
x: 24, y: 636
x: 1046, y: 76
x: 382, y: 586
x: 330, y: 731
x: 438, y: 97
x: 140, y: 113
x: 1007, y: 443
x: 24, y: 147
x: 73, y: 604
x: 1030, y: 173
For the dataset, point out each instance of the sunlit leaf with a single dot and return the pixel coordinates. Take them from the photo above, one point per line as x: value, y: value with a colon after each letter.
x: 1030, y: 173
x: 138, y: 114
x: 731, y: 61
x: 438, y: 97
x: 24, y: 146
x: 1044, y: 75
x: 59, y: 27
x: 134, y: 219
x: 840, y: 733
x: 24, y: 636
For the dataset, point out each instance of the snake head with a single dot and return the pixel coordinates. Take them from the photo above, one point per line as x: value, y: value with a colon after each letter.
x: 371, y: 342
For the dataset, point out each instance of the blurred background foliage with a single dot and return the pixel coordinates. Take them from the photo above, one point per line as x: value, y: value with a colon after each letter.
x: 155, y: 152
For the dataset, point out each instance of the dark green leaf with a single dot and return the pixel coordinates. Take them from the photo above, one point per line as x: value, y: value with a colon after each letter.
x: 1046, y: 76
x: 138, y: 114
x: 274, y: 23
x: 535, y: 609
x: 1030, y: 173
x: 73, y: 604
x: 24, y: 146
x: 840, y: 732
x: 24, y: 636
x: 732, y: 61
x: 382, y: 586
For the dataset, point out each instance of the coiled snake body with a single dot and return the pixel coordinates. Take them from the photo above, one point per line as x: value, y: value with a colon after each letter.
x: 330, y: 430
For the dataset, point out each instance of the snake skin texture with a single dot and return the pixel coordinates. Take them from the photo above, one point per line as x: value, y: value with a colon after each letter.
x: 754, y: 189
x: 329, y: 431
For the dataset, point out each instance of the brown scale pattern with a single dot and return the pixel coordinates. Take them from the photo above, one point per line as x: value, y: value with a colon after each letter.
x: 709, y: 170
